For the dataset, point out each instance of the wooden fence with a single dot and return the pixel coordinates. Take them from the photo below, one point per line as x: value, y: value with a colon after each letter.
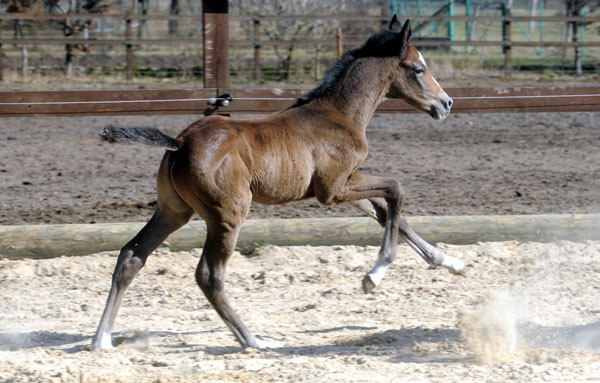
x: 152, y: 102
x: 221, y: 19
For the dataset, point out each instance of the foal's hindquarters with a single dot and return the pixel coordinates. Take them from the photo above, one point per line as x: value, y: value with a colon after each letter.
x: 187, y: 184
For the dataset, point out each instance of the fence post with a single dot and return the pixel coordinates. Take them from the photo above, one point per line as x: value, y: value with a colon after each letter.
x: 468, y: 24
x: 506, y: 39
x: 128, y: 48
x: 257, y: 71
x: 1, y: 63
x: 340, y: 42
x: 578, y: 68
x: 215, y: 36
x: 451, y: 24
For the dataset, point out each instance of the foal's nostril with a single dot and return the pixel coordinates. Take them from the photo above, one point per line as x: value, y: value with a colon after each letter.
x: 450, y: 102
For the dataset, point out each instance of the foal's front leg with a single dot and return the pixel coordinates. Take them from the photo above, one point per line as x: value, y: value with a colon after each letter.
x: 376, y: 209
x: 360, y: 187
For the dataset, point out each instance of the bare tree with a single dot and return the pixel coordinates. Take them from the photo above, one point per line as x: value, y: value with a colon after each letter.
x: 20, y: 6
x: 290, y: 29
x: 74, y: 27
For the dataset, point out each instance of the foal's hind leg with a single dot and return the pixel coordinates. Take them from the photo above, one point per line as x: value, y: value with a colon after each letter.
x: 376, y: 208
x: 172, y: 213
x: 131, y: 259
x: 210, y: 275
x: 223, y: 223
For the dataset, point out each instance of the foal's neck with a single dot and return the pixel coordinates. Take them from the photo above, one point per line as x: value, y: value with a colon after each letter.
x: 361, y: 90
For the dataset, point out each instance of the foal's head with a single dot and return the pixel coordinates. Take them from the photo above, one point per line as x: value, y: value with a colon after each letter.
x: 411, y: 80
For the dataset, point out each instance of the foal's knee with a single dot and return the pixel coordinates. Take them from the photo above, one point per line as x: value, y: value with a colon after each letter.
x: 395, y: 191
x: 210, y: 282
x: 130, y: 265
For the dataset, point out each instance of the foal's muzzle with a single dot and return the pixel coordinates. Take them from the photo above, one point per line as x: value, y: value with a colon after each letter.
x: 441, y: 109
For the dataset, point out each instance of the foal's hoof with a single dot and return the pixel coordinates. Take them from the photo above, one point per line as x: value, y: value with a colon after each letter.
x: 367, y: 284
x: 455, y: 266
x: 267, y: 345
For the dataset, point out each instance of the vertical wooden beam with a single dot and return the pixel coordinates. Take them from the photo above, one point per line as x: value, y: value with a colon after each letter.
x: 451, y: 24
x: 215, y: 34
x: 129, y: 49
x: 578, y: 50
x: 68, y: 60
x: 1, y: 63
x: 468, y: 24
x: 506, y: 38
x: 257, y: 71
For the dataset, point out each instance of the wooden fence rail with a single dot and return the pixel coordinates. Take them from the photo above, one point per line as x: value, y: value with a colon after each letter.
x: 248, y: 101
x: 255, y: 41
x: 379, y: 19
x: 47, y: 241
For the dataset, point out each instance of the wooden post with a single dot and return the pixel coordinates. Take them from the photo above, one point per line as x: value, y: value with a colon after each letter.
x: 468, y: 25
x: 317, y: 53
x: 257, y: 71
x: 1, y: 63
x: 340, y: 44
x: 578, y: 68
x: 215, y: 34
x: 68, y: 60
x: 128, y: 48
x: 506, y: 38
x: 47, y: 241
x: 451, y: 24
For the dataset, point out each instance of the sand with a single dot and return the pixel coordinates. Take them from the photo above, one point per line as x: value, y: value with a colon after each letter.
x: 527, y: 312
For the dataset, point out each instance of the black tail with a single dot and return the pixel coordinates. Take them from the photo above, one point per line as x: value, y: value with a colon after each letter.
x: 143, y: 134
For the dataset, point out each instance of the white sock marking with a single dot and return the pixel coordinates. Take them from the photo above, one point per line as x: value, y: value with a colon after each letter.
x: 456, y: 265
x: 105, y: 342
x: 378, y: 271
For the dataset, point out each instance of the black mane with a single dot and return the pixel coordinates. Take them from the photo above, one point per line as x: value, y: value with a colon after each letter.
x: 381, y: 44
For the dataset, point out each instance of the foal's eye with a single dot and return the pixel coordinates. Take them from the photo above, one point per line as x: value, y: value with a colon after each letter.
x: 419, y: 71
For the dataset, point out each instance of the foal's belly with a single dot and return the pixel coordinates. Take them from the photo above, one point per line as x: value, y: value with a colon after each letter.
x: 281, y: 180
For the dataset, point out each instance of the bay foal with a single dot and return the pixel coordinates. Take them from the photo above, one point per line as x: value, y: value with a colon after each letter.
x: 218, y: 166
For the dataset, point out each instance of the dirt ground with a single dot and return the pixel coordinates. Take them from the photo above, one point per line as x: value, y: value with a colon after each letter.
x: 525, y: 313
x: 54, y: 170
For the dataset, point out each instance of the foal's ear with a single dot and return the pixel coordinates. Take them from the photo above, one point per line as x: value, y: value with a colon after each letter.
x: 395, y: 24
x: 403, y: 38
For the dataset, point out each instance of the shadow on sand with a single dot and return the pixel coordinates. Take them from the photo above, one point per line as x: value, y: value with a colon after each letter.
x: 397, y: 344
x: 580, y: 338
x: 14, y: 341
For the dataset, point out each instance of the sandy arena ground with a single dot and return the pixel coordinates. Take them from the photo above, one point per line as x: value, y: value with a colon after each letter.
x: 526, y: 313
